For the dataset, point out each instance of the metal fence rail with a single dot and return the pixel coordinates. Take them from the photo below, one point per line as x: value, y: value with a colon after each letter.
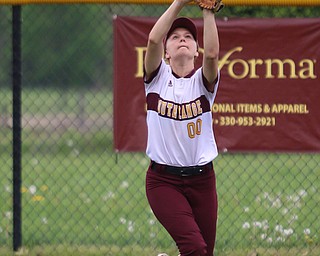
x: 79, y: 197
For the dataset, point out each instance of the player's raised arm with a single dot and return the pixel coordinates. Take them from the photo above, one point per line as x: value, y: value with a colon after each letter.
x: 211, y: 48
x: 155, y: 48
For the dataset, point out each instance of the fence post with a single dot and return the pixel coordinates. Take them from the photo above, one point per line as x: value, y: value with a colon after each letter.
x: 16, y: 95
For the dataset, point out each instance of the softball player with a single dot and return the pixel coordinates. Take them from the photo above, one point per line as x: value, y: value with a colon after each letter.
x: 180, y: 181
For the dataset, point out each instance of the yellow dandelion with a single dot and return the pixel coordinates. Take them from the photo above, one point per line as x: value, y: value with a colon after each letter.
x: 44, y: 188
x: 24, y: 190
x: 308, y: 239
x: 37, y: 198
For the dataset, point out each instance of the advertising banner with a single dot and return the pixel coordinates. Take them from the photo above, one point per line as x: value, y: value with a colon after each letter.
x: 268, y: 97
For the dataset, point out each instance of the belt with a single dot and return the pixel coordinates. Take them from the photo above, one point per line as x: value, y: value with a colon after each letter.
x: 182, y: 171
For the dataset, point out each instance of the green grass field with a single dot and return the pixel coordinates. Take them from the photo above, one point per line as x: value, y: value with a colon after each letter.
x: 81, y: 198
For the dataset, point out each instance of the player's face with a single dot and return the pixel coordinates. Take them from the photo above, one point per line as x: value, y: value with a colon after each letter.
x: 181, y: 43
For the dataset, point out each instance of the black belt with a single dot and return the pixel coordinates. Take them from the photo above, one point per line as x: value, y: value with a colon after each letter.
x: 182, y: 171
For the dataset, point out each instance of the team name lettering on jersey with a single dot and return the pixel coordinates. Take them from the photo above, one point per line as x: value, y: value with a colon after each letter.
x: 177, y: 111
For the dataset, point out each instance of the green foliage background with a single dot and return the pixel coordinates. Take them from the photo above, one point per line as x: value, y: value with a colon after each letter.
x: 81, y: 54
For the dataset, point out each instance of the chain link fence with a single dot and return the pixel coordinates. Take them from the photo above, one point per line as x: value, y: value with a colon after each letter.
x: 79, y: 197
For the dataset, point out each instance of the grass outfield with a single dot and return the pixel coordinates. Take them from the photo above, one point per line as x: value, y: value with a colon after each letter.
x: 64, y: 250
x: 80, y: 198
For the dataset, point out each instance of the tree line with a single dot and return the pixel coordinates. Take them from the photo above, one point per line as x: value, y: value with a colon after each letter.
x: 72, y: 45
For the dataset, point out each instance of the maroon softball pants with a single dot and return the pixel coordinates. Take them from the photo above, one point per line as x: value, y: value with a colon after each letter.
x: 187, y: 207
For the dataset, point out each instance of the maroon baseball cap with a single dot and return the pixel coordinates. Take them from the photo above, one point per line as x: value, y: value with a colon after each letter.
x: 186, y: 23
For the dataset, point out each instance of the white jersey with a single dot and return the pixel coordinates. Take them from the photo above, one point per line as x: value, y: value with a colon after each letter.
x: 179, y: 119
